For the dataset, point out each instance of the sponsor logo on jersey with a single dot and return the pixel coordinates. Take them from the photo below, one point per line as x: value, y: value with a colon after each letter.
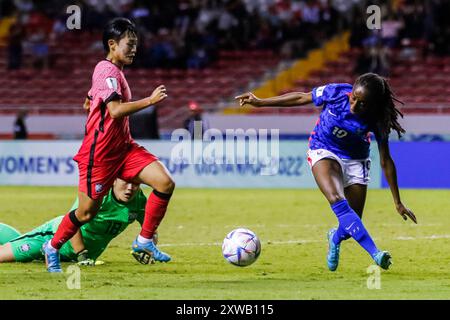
x: 25, y: 247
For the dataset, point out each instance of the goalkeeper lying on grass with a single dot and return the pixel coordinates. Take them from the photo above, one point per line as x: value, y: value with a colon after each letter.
x: 124, y: 204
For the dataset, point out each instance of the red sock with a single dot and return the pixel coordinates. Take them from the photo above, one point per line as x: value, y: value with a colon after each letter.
x: 67, y: 228
x: 155, y: 209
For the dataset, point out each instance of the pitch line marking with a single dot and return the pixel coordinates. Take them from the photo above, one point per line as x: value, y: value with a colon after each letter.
x: 315, y: 225
x: 301, y: 241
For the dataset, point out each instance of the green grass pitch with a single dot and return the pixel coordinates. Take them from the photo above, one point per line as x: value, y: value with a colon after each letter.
x: 292, y: 226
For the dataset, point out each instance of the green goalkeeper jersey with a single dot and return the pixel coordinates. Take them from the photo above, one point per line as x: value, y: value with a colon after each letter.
x: 112, y: 218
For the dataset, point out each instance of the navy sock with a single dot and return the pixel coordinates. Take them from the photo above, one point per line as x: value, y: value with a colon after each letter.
x: 350, y: 225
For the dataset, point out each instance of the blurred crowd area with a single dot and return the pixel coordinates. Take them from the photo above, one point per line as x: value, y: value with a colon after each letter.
x: 178, y: 34
x: 412, y: 30
x: 190, y: 33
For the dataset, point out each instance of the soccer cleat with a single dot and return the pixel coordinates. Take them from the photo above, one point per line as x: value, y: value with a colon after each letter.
x: 150, y: 249
x: 383, y: 259
x: 333, y: 251
x: 143, y: 257
x: 51, y: 258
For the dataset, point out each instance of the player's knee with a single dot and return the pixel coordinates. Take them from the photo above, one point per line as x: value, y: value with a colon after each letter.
x: 84, y: 216
x: 167, y: 186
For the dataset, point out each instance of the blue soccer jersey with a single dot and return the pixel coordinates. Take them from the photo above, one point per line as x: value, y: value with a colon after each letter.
x: 338, y: 130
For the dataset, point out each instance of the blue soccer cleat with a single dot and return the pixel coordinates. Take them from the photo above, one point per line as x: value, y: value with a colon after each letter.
x: 333, y: 251
x: 383, y: 259
x: 51, y: 258
x: 151, y: 249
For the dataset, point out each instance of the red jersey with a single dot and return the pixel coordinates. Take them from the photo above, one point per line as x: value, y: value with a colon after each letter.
x: 106, y: 139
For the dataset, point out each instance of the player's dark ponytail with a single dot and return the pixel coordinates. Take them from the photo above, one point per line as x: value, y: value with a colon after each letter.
x: 116, y: 29
x: 383, y: 112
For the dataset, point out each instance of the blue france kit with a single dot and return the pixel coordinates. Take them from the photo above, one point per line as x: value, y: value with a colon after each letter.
x: 338, y: 130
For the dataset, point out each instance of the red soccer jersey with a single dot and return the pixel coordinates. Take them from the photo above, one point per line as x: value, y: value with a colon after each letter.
x: 106, y: 139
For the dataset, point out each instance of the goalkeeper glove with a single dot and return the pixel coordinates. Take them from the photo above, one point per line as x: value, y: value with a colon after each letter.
x: 84, y: 260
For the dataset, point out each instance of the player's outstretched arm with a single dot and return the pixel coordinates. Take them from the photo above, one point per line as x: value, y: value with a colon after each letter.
x: 291, y: 99
x: 119, y: 109
x: 390, y: 172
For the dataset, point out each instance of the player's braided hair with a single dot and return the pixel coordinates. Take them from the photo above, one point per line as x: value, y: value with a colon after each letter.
x: 383, y: 113
x: 116, y: 29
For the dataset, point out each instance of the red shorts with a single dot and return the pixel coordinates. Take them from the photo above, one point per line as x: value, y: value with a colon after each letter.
x: 96, y: 180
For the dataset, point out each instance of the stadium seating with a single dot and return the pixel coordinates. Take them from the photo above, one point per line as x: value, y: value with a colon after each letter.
x: 422, y: 84
x: 63, y: 87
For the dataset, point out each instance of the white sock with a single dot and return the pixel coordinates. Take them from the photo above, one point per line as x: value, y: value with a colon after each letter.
x: 143, y: 240
x: 51, y: 247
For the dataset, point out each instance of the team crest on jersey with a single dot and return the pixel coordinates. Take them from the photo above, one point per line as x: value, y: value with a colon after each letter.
x: 111, y: 83
x: 98, y: 187
x: 25, y: 247
x: 319, y: 91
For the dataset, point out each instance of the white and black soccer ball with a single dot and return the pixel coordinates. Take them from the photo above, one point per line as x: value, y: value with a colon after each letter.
x: 241, y: 247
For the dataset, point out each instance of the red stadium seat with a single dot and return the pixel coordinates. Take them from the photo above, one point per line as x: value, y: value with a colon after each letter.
x: 422, y: 81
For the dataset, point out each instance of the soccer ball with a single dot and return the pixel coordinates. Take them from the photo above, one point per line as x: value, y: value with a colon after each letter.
x: 241, y: 247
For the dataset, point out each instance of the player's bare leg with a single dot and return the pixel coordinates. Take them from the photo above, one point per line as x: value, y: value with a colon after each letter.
x: 69, y: 226
x: 87, y: 207
x: 158, y: 177
x: 329, y: 179
x: 6, y: 254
